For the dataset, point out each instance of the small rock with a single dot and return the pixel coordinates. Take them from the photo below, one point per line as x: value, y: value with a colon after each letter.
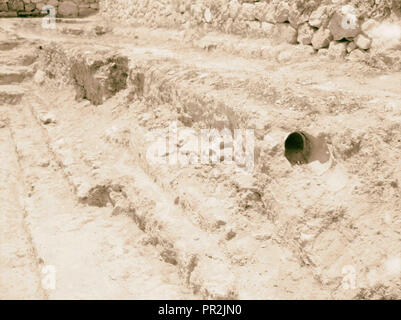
x: 100, y: 30
x: 318, y: 17
x: 296, y: 17
x: 363, y: 42
x: 305, y: 34
x: 266, y: 52
x: 283, y: 32
x: 282, y: 11
x: 47, y: 118
x: 351, y: 46
x: 39, y: 77
x: 231, y: 234
x: 261, y: 9
x: 321, y: 38
x: 208, y: 15
x: 263, y: 237
x: 270, y: 13
x: 337, y: 50
x: 305, y: 237
x: 233, y: 8
x: 284, y: 56
x: 357, y: 55
x: 169, y: 256
x: 44, y: 163
x: 323, y: 52
x: 254, y: 26
x: 369, y: 25
x: 267, y: 28
x: 247, y: 13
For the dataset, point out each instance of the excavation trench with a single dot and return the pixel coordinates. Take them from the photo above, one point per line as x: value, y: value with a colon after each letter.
x: 150, y: 92
x: 189, y: 228
x: 143, y: 93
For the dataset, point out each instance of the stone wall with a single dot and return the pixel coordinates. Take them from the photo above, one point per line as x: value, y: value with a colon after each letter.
x: 63, y: 8
x: 336, y: 27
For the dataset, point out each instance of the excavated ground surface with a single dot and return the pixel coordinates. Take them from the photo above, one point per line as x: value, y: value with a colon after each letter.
x: 79, y: 193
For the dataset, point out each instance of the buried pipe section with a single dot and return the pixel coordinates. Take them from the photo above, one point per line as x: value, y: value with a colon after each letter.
x: 297, y: 148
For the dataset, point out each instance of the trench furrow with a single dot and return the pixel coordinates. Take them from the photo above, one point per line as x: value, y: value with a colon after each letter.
x: 91, y: 253
x: 20, y: 271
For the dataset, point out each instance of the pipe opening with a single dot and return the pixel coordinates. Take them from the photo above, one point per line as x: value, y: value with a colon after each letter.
x: 294, y: 142
x: 297, y: 148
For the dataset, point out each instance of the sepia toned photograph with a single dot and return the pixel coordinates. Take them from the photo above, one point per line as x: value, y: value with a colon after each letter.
x: 178, y: 150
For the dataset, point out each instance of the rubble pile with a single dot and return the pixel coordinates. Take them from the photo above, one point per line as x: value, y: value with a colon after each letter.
x: 334, y: 28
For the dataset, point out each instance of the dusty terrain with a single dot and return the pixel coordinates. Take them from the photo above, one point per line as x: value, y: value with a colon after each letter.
x: 79, y: 194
